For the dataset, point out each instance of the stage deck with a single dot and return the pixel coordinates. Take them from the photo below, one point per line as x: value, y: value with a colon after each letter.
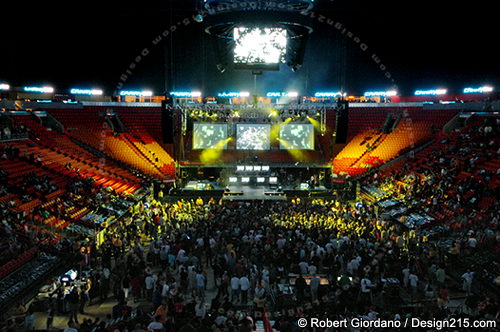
x: 246, y: 192
x: 253, y: 193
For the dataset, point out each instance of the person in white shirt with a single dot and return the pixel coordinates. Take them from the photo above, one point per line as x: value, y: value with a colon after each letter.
x: 164, y: 290
x: 200, y: 310
x: 413, y: 278
x: 406, y: 275
x: 156, y: 325
x: 366, y: 289
x: 191, y: 280
x: 265, y: 276
x: 200, y: 284
x: 352, y: 266
x: 304, y: 267
x: 180, y: 254
x: 366, y: 285
x: 149, y: 281
x: 235, y: 288
x: 200, y: 242
x: 312, y: 269
x: 212, y: 242
x: 220, y: 320
x: 320, y: 251
x: 314, y: 284
x: 472, y: 242
x: 281, y: 242
x: 467, y: 284
x: 244, y: 286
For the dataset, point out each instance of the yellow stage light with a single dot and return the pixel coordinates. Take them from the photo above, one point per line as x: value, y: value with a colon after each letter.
x: 213, y: 154
x: 273, y: 113
x: 315, y: 123
x: 296, y: 154
x: 275, y: 131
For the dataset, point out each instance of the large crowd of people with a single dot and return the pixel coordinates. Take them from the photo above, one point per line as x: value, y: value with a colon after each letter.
x: 207, y: 265
x: 249, y: 249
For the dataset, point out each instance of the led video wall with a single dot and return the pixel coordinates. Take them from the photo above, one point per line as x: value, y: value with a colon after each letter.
x: 297, y: 136
x: 253, y: 136
x: 209, y: 136
x: 294, y: 136
x: 254, y: 45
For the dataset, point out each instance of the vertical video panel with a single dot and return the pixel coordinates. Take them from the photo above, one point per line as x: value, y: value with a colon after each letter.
x: 253, y: 136
x: 297, y: 136
x: 209, y: 136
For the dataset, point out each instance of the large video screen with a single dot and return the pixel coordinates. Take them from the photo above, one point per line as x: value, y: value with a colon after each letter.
x: 297, y: 136
x: 209, y: 136
x: 257, y: 45
x: 253, y: 136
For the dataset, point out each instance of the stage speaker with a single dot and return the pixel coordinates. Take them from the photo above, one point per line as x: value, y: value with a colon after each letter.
x: 167, y: 120
x: 342, y: 122
x: 391, y: 122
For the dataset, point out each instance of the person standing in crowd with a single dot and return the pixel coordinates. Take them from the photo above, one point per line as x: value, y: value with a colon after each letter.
x: 200, y: 310
x: 413, y: 279
x: 200, y: 284
x: 235, y: 289
x: 82, y: 301
x: 260, y: 296
x: 366, y: 287
x: 162, y: 312
x: 165, y: 289
x: 30, y: 319
x: 314, y: 284
x: 136, y: 286
x: 440, y: 276
x: 126, y: 286
x: 73, y: 300
x: 149, y: 284
x: 170, y: 324
x: 300, y: 287
x: 467, y: 278
x: 406, y: 276
x: 244, y: 286
x: 50, y: 315
x: 105, y: 283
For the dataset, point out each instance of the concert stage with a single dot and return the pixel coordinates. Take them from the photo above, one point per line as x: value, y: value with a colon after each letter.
x: 253, y: 193
x: 248, y: 192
